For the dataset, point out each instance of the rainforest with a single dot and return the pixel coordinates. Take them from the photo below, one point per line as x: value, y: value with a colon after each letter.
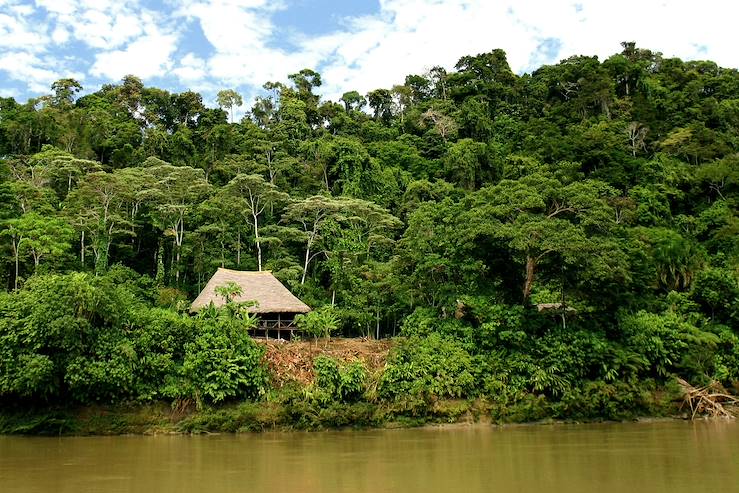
x: 561, y: 244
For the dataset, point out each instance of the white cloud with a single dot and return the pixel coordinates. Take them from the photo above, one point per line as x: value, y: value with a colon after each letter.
x: 191, y: 68
x: 8, y: 93
x: 100, y: 24
x: 63, y: 7
x: 148, y: 56
x: 60, y: 35
x: 17, y: 32
x: 230, y: 27
x: 240, y: 32
x: 248, y: 48
x: 27, y: 67
x: 677, y: 28
x: 409, y: 36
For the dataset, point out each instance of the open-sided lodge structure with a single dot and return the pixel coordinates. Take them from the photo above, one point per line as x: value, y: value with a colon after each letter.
x: 275, y: 305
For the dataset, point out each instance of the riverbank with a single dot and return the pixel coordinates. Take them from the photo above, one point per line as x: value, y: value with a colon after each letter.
x: 248, y: 417
x: 307, y: 390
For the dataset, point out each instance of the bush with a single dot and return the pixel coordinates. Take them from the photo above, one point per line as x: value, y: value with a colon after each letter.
x: 336, y: 383
x: 717, y: 291
x: 81, y: 338
x: 158, y: 337
x: 61, y: 334
x: 222, y: 363
x: 670, y: 344
x: 432, y: 367
x: 321, y: 322
x: 726, y: 362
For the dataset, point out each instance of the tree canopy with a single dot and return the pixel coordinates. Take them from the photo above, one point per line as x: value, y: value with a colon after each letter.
x: 596, y: 196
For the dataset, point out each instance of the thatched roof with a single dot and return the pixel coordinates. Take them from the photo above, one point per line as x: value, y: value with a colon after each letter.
x: 270, y: 294
x: 547, y: 307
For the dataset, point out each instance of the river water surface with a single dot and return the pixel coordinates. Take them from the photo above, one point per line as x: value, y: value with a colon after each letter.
x: 603, y: 458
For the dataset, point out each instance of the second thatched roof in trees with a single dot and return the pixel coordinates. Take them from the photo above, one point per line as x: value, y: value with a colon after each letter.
x: 264, y: 288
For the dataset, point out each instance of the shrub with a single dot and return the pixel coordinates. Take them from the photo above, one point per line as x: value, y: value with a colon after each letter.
x: 334, y: 382
x: 222, y: 363
x: 717, y: 291
x: 58, y: 331
x: 670, y: 344
x: 158, y: 337
x: 319, y: 323
x: 432, y: 367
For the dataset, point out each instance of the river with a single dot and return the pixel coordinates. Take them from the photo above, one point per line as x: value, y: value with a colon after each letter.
x: 632, y: 457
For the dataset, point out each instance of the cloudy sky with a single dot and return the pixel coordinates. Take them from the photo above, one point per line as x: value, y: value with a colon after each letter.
x: 207, y: 45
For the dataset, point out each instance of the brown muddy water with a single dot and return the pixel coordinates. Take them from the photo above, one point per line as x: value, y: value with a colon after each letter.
x: 659, y: 457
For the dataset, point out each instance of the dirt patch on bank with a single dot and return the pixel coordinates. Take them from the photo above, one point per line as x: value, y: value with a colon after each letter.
x: 293, y: 361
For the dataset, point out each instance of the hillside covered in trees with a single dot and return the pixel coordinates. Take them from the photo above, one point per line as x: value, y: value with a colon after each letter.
x: 568, y: 236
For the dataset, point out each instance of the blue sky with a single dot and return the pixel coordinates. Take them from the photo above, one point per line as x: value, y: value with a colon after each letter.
x: 208, y: 45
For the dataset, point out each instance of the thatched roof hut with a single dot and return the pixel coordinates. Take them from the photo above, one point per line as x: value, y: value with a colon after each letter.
x: 262, y: 287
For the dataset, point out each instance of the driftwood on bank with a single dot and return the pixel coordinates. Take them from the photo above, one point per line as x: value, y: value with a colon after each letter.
x: 710, y: 400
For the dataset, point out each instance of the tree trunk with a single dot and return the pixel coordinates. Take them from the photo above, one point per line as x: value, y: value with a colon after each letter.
x: 82, y: 249
x: 160, y: 269
x: 256, y: 240
x: 179, y: 237
x: 305, y: 264
x: 563, y: 306
x: 238, y: 248
x: 177, y: 268
x: 529, y: 282
x: 17, y: 265
x: 168, y: 273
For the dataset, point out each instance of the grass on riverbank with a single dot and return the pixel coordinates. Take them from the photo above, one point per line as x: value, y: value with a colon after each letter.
x: 284, y: 415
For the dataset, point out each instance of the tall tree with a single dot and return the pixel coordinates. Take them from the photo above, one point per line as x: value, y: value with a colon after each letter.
x: 251, y: 195
x: 98, y: 204
x: 175, y: 192
x: 40, y: 236
x: 227, y: 99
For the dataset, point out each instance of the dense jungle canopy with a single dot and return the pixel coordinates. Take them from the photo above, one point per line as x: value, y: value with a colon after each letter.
x: 576, y: 224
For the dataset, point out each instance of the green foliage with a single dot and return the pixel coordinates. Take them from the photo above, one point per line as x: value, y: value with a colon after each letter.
x: 172, y: 298
x: 337, y: 383
x: 52, y: 342
x: 229, y: 291
x: 669, y: 343
x: 717, y: 291
x: 432, y: 367
x: 222, y: 363
x: 86, y: 339
x: 545, y: 241
x: 726, y: 358
x: 321, y: 322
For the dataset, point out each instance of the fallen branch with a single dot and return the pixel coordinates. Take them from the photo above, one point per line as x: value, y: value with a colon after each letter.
x: 710, y: 400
